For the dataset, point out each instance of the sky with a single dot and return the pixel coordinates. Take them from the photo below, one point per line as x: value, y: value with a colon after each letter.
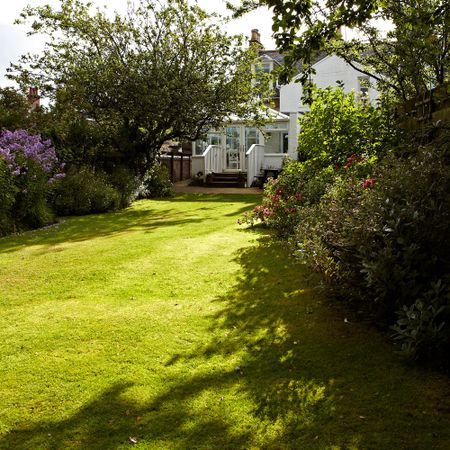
x: 14, y: 41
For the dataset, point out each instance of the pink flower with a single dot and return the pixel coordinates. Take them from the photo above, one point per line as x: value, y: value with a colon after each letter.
x: 368, y: 183
x: 298, y: 196
x: 350, y: 160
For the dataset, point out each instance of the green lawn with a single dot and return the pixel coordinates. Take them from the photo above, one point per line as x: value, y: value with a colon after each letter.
x: 170, y: 326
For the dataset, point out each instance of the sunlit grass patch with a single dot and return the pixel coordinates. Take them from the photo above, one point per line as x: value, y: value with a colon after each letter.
x: 168, y: 326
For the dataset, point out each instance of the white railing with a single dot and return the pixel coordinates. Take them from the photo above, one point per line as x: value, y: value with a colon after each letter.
x: 211, y: 160
x: 255, y: 159
x: 242, y: 160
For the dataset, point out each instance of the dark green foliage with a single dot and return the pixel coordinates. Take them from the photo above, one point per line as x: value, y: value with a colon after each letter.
x: 156, y: 183
x: 31, y: 206
x: 424, y: 325
x: 84, y: 191
x: 386, y: 248
x: 7, y: 195
x: 126, y: 183
x: 14, y: 109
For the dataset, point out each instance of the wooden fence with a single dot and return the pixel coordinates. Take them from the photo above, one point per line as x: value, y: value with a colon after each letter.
x: 178, y: 164
x: 431, y: 107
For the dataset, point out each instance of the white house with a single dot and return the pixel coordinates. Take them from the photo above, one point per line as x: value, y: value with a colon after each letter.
x: 238, y: 148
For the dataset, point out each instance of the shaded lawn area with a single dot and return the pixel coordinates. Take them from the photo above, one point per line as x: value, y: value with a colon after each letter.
x: 167, y: 326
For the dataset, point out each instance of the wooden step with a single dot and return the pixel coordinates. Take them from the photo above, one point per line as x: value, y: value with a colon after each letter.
x: 227, y: 180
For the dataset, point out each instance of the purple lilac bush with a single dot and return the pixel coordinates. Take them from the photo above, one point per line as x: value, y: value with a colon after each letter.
x: 29, y: 167
x: 18, y: 149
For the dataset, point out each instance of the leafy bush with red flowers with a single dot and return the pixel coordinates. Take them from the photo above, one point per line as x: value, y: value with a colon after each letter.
x: 280, y: 207
x: 370, y: 210
x: 384, y: 246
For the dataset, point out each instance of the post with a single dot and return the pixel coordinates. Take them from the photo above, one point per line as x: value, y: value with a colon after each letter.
x: 181, y: 165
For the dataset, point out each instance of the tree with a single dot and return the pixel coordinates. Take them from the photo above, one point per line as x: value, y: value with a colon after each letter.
x: 404, y: 62
x: 14, y: 109
x: 161, y: 72
x: 303, y: 28
x: 413, y: 57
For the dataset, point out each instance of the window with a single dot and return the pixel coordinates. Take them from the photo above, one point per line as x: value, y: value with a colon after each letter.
x: 276, y: 142
x: 212, y: 138
x: 251, y: 137
x: 363, y: 85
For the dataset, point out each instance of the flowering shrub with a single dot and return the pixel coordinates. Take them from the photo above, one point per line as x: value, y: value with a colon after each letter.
x: 383, y: 245
x: 30, y: 167
x: 280, y: 207
x: 303, y: 184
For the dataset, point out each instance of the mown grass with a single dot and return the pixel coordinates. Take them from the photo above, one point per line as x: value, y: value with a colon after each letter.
x: 167, y: 326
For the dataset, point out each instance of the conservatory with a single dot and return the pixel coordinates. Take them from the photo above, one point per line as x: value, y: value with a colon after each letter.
x: 244, y: 149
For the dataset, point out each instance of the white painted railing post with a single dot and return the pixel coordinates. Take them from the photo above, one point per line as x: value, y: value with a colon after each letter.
x: 212, y: 160
x: 255, y: 158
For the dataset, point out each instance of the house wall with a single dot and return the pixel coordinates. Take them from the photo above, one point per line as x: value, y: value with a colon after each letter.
x: 293, y: 133
x: 329, y: 71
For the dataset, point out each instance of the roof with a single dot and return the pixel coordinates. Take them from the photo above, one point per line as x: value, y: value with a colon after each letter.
x: 271, y: 115
x: 278, y: 58
x: 274, y: 55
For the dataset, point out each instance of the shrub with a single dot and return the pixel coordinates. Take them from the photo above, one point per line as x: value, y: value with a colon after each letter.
x: 383, y: 243
x: 8, y: 192
x: 84, y: 191
x: 33, y: 165
x: 339, y: 125
x: 126, y: 183
x: 280, y: 206
x: 340, y: 136
x: 156, y: 183
x: 423, y: 326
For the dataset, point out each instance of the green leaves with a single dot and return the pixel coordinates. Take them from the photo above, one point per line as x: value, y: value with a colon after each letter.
x: 337, y: 126
x: 165, y: 68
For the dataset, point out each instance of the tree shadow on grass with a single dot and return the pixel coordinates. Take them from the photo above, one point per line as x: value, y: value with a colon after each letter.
x: 81, y: 228
x: 91, y: 427
x: 313, y: 379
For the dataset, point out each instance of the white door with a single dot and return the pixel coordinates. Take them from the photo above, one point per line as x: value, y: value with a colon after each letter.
x: 233, y: 147
x: 239, y: 139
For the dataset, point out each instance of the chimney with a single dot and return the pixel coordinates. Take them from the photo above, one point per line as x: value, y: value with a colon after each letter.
x: 255, y: 38
x: 33, y: 97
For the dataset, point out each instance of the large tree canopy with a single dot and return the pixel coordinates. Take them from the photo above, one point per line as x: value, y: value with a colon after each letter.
x: 163, y: 71
x: 405, y: 61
